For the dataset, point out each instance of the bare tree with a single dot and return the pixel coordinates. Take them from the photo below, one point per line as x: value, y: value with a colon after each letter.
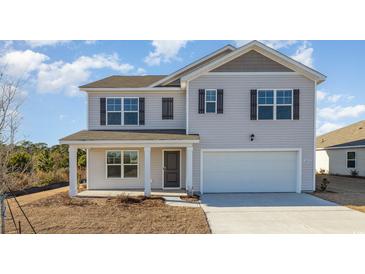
x: 10, y: 102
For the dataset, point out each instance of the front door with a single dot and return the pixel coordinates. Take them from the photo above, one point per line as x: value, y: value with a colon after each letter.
x: 171, y: 169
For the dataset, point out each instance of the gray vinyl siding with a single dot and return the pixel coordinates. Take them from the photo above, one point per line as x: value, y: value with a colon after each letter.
x: 252, y: 62
x: 97, y: 170
x: 232, y: 129
x: 153, y: 110
x: 337, y: 161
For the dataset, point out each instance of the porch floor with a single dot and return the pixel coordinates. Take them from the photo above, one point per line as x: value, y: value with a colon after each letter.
x: 130, y: 192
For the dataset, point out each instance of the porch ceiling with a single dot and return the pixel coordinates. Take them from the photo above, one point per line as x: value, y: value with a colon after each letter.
x: 130, y: 136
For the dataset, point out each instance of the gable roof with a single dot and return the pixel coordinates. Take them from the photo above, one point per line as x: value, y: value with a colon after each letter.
x: 117, y: 81
x: 352, y: 135
x: 266, y: 51
x: 174, y: 77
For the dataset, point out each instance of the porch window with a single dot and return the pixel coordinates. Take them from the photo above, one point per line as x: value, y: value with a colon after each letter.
x: 130, y: 111
x: 210, y: 100
x: 130, y: 162
x: 116, y: 168
x: 113, y: 164
x: 351, y: 159
x: 114, y: 111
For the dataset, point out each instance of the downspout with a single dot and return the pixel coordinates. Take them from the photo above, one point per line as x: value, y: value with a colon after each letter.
x: 314, y: 135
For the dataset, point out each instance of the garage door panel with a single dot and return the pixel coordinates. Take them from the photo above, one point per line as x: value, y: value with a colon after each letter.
x: 249, y: 171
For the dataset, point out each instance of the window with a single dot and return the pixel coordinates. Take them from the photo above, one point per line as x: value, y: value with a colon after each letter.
x: 114, y: 111
x: 130, y: 164
x: 167, y: 108
x: 284, y: 102
x: 265, y: 104
x: 275, y: 104
x: 114, y: 164
x: 115, y: 168
x: 210, y: 100
x: 351, y: 160
x: 118, y: 115
x: 130, y: 111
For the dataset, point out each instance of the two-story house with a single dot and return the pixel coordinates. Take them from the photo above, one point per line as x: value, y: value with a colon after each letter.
x: 238, y: 120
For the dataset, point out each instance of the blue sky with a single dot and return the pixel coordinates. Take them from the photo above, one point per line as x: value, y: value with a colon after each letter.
x: 52, y: 70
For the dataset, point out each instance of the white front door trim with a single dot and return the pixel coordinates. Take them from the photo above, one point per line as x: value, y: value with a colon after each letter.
x: 163, y: 170
x: 299, y: 161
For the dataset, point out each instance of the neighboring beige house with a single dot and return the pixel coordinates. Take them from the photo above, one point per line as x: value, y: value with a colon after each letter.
x: 342, y: 151
x: 238, y: 120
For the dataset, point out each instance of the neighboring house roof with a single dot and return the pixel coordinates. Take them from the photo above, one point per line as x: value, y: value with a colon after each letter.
x: 266, y: 51
x: 116, y: 81
x: 352, y: 135
x: 121, y: 135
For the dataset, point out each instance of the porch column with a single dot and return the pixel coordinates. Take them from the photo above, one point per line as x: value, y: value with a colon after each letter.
x: 147, y: 171
x: 189, y: 170
x: 72, y: 155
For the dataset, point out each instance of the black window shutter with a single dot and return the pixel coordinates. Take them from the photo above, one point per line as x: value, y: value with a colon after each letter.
x: 296, y: 104
x: 103, y: 111
x: 253, y: 112
x: 167, y: 108
x: 220, y: 101
x: 201, y: 101
x: 141, y: 111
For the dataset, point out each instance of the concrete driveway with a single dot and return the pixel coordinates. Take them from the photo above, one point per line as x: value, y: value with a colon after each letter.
x: 279, y: 213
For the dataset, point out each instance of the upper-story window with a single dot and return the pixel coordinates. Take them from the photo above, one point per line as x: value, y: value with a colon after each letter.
x: 210, y: 100
x: 122, y: 111
x: 265, y: 104
x: 275, y: 104
x: 114, y: 111
x: 131, y: 111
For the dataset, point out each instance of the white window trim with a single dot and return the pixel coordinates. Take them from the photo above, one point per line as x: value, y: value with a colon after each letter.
x: 131, y: 111
x: 121, y: 164
x: 206, y: 101
x: 274, y: 105
x: 122, y: 111
x: 347, y: 159
x: 113, y: 111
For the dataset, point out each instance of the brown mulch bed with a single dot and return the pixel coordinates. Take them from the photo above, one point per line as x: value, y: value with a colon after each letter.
x: 346, y: 191
x: 61, y: 214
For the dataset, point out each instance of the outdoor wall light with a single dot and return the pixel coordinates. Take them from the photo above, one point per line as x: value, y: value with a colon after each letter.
x: 252, y: 137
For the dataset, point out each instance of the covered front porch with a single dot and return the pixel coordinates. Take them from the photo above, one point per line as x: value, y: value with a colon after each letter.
x: 137, y: 162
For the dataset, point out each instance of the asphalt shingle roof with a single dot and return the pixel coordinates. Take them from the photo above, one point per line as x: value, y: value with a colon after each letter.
x: 116, y: 81
x: 351, y: 135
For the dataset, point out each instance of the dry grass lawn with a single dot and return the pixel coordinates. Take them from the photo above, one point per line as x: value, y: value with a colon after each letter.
x: 345, y: 191
x: 61, y: 214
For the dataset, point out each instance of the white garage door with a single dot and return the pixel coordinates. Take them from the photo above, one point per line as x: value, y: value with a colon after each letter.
x: 249, y: 171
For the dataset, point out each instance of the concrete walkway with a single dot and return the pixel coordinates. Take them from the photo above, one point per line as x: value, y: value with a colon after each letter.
x: 279, y: 213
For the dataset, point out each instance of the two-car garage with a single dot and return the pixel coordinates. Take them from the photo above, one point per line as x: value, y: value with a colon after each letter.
x: 250, y: 171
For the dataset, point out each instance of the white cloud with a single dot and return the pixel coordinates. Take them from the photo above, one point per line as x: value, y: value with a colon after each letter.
x: 327, y: 127
x: 42, y: 43
x: 340, y: 112
x: 141, y: 71
x: 321, y: 95
x: 304, y: 54
x: 164, y: 51
x: 275, y: 44
x: 20, y: 63
x: 59, y: 76
x: 334, y: 98
x: 61, y: 117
